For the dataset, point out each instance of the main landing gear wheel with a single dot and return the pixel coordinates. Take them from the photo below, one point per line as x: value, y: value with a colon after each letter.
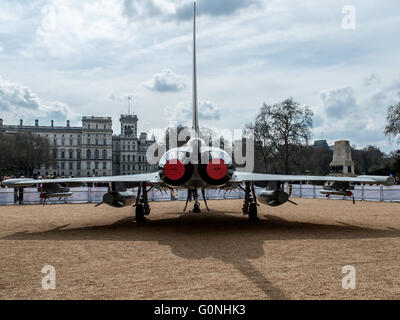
x: 253, y: 212
x: 139, y: 213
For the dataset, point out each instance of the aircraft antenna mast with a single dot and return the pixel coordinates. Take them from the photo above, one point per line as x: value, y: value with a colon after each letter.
x: 195, y: 123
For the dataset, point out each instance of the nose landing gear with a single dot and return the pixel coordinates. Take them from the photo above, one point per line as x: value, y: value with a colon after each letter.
x: 193, y: 194
x: 250, y: 202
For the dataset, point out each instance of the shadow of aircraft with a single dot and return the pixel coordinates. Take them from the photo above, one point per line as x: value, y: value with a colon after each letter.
x: 228, y: 238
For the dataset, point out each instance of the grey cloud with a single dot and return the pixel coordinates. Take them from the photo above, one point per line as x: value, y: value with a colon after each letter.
x: 372, y: 79
x: 318, y: 121
x: 16, y: 95
x: 146, y: 9
x: 166, y: 81
x: 141, y: 9
x: 17, y: 100
x: 395, y: 86
x: 183, y: 112
x: 378, y: 100
x: 346, y: 118
x: 339, y: 103
x: 208, y: 111
x: 214, y: 8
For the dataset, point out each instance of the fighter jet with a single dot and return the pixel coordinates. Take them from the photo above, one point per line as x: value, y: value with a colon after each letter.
x: 197, y: 166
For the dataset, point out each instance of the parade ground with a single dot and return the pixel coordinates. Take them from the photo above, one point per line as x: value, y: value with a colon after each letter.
x: 293, y: 252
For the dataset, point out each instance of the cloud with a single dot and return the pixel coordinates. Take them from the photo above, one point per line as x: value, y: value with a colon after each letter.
x: 371, y: 80
x: 19, y: 101
x: 182, y: 112
x: 339, y: 103
x: 208, y: 111
x: 66, y: 26
x: 215, y: 8
x: 181, y: 11
x: 358, y: 119
x: 141, y: 9
x: 166, y: 81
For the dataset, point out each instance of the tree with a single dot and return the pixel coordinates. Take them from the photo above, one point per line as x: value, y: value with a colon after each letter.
x: 21, y: 153
x: 263, y: 147
x: 367, y: 160
x: 281, y: 129
x: 392, y: 128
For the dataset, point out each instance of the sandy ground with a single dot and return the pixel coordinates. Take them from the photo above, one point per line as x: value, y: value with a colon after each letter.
x: 294, y: 252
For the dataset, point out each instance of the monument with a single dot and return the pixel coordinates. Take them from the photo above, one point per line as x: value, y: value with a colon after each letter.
x: 342, y: 164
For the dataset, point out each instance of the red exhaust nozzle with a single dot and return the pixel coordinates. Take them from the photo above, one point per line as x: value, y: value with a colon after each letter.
x: 174, y: 169
x: 217, y: 169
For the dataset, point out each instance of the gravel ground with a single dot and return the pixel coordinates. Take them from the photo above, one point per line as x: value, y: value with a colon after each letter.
x: 293, y: 252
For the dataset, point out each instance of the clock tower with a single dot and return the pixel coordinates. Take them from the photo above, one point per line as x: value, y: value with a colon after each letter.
x: 128, y: 125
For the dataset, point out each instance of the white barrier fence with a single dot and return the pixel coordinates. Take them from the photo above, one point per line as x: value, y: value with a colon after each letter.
x: 369, y: 193
x: 95, y: 195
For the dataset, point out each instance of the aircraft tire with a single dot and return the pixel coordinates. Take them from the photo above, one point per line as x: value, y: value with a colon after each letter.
x: 139, y: 213
x: 253, y: 212
x: 196, y: 208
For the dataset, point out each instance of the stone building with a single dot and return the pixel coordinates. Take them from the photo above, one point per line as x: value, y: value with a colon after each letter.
x: 96, y: 146
x: 129, y: 150
x: 91, y: 149
x: 79, y: 151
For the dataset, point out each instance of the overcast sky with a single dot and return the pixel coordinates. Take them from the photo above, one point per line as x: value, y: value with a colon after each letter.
x: 64, y: 59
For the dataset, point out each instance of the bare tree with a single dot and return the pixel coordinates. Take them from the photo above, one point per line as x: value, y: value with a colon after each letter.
x: 23, y: 152
x: 262, y: 138
x: 280, y: 129
x: 392, y: 128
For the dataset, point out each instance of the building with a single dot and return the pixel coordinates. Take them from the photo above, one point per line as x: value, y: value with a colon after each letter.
x: 129, y: 150
x: 96, y: 145
x: 79, y: 151
x: 321, y: 144
x: 91, y: 149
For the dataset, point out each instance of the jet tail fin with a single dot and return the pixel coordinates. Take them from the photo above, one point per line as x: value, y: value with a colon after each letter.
x: 195, y: 121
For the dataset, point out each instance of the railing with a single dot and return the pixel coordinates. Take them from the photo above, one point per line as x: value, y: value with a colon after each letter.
x: 368, y: 193
x: 95, y: 195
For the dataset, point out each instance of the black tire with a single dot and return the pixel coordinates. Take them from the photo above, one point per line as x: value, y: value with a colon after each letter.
x: 196, y: 208
x: 253, y: 212
x: 139, y: 213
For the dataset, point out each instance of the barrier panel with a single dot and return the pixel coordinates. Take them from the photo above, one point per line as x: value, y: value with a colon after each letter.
x: 368, y: 193
x: 95, y: 195
x: 6, y: 196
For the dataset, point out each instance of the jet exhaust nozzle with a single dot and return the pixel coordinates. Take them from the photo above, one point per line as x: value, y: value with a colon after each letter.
x: 175, y: 173
x: 215, y: 172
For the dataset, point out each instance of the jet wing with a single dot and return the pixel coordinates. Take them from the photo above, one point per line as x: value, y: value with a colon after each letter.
x: 153, y: 177
x: 239, y: 176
